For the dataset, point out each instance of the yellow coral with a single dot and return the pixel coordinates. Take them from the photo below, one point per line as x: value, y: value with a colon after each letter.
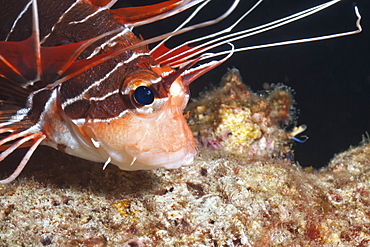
x: 241, y: 122
x: 243, y: 131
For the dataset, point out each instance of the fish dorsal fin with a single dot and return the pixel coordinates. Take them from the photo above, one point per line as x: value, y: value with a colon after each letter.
x: 142, y: 15
x: 26, y: 62
x: 102, y: 3
x: 19, y: 61
x: 163, y: 53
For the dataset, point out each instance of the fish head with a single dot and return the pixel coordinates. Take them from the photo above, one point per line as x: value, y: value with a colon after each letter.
x: 152, y: 132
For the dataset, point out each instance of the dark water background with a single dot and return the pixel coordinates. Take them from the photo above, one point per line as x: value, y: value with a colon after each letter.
x: 331, y: 78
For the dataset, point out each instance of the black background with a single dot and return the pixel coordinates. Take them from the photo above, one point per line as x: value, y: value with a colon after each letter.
x: 331, y: 78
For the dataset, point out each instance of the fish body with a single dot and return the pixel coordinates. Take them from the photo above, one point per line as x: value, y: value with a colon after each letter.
x: 75, y: 77
x: 127, y: 109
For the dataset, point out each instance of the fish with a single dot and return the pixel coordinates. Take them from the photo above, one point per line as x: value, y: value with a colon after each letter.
x: 75, y: 77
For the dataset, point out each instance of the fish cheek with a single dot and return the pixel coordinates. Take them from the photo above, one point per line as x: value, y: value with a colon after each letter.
x: 166, y: 131
x: 110, y: 134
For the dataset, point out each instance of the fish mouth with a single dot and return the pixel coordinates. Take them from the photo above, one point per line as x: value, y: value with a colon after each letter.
x: 153, y: 159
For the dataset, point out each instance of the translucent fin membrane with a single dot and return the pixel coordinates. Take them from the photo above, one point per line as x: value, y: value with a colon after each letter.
x: 26, y: 62
x: 57, y: 64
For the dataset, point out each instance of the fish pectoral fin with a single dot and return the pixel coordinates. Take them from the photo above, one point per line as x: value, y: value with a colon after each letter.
x: 59, y: 65
x: 27, y: 63
x: 17, y: 131
x: 18, y: 60
x: 31, y: 140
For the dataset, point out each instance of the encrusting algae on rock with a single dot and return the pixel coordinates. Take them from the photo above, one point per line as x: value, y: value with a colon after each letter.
x: 224, y: 199
x: 239, y: 121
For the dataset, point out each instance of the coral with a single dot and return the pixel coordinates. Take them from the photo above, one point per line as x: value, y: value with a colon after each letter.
x: 234, y: 118
x: 224, y: 199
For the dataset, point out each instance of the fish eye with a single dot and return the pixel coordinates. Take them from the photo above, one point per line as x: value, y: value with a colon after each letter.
x: 143, y: 95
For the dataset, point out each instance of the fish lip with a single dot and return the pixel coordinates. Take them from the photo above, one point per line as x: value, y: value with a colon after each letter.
x: 154, y: 159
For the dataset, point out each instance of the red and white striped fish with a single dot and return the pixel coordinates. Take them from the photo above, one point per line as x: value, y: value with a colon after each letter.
x: 73, y: 76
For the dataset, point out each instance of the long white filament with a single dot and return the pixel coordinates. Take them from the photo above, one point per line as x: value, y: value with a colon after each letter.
x: 297, y: 41
x: 189, y: 4
x: 191, y: 53
x: 38, y: 138
x: 36, y: 38
x: 195, y: 12
x: 226, y: 30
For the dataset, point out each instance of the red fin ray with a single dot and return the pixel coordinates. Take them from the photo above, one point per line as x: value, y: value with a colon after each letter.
x: 102, y: 3
x: 184, y: 55
x: 160, y: 51
x: 189, y: 75
x: 166, y: 55
x: 151, y: 13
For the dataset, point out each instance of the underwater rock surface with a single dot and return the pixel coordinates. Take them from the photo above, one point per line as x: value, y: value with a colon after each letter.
x: 226, y: 198
x: 235, y: 119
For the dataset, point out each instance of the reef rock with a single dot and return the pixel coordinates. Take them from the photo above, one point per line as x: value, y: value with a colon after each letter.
x: 226, y: 198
